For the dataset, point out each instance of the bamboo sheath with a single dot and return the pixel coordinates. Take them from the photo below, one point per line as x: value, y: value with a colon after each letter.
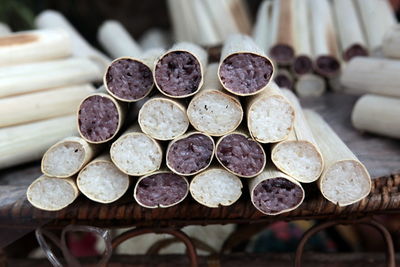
x: 372, y: 75
x: 383, y: 18
x: 391, y: 42
x: 200, y: 62
x: 239, y: 11
x: 51, y: 19
x: 344, y: 180
x: 377, y: 114
x: 325, y: 48
x: 135, y: 153
x: 215, y: 187
x: 302, y: 63
x: 33, y: 46
x: 152, y: 188
x: 28, y: 142
x: 282, y: 42
x: 212, y: 110
x: 350, y: 29
x: 117, y: 41
x: 262, y: 26
x: 52, y: 194
x: 4, y: 29
x: 100, y: 111
x: 154, y: 38
x: 270, y: 116
x: 67, y: 157
x: 172, y: 123
x: 310, y: 85
x: 31, y: 77
x: 101, y: 181
x: 238, y: 46
x: 42, y: 105
x: 286, y: 187
x: 193, y: 149
x: 298, y: 155
x: 242, y: 153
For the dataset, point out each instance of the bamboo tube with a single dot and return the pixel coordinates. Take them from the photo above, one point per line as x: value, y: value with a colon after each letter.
x: 324, y: 40
x: 216, y: 187
x: 383, y: 18
x: 273, y: 192
x: 51, y: 19
x: 302, y: 63
x: 67, y: 157
x: 4, y: 29
x: 116, y: 40
x: 161, y: 189
x: 270, y: 116
x: 345, y: 180
x: 349, y: 28
x: 28, y: 142
x: 190, y: 154
x: 136, y: 153
x: 244, y: 69
x: 99, y: 118
x: 391, y: 42
x: 377, y: 114
x: 284, y: 79
x: 31, y: 77
x: 101, y: 181
x: 282, y: 42
x: 52, y: 194
x: 372, y: 75
x: 179, y: 72
x: 262, y: 26
x: 131, y: 79
x: 212, y: 111
x: 207, y: 34
x: 220, y: 14
x: 42, y: 105
x: 310, y: 85
x: 163, y: 118
x: 154, y: 38
x: 298, y: 156
x: 176, y: 14
x: 33, y: 46
x: 240, y: 155
x: 239, y: 11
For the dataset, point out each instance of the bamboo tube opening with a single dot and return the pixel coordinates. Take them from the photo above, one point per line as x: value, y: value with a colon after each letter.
x: 67, y: 157
x: 102, y: 181
x: 302, y: 64
x: 163, y: 118
x: 99, y: 118
x: 273, y: 192
x: 240, y: 155
x: 52, y: 194
x: 355, y: 50
x: 216, y: 187
x: 190, y: 154
x: 282, y: 53
x: 327, y: 65
x: 161, y: 189
x: 284, y: 79
x: 128, y: 79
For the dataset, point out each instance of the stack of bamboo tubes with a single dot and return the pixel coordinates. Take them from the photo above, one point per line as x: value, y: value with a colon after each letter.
x: 311, y: 41
x: 180, y: 130
x: 44, y: 74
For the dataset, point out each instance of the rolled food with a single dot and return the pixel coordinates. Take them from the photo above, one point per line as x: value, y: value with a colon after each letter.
x: 190, y: 154
x: 244, y: 69
x: 213, y: 111
x: 216, y: 187
x: 102, y: 181
x: 52, y: 194
x: 161, y: 189
x: 273, y: 192
x: 240, y: 154
x: 135, y: 153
